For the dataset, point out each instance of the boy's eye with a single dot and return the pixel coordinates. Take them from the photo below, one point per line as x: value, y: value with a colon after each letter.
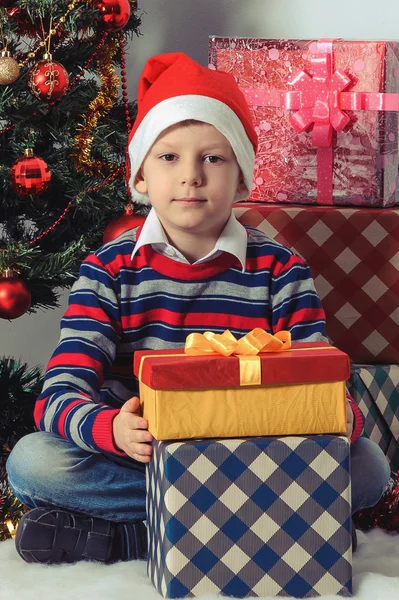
x: 168, y: 157
x: 213, y: 159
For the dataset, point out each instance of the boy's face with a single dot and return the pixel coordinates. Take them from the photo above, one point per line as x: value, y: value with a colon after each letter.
x: 191, y: 176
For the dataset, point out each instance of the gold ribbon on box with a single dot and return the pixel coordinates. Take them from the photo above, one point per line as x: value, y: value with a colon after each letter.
x: 247, y: 349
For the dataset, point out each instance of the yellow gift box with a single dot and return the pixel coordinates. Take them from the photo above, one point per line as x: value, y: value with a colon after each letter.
x: 261, y: 385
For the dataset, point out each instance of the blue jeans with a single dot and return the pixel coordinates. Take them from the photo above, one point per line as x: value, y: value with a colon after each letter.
x: 47, y: 470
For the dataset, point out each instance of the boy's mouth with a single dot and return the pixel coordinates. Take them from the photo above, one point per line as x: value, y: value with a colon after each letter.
x: 189, y: 200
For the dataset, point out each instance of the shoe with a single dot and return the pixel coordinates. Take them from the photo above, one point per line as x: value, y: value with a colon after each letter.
x: 52, y: 536
x: 385, y: 514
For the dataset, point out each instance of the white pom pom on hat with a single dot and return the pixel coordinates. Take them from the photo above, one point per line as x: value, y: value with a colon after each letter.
x: 174, y: 88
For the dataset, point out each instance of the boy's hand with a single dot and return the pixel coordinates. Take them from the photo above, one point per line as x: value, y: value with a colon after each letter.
x: 130, y: 432
x: 349, y: 419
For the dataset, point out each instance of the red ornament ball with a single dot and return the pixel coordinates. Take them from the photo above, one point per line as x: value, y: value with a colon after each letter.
x: 30, y: 175
x: 121, y: 224
x: 115, y: 13
x: 15, y: 297
x: 48, y: 80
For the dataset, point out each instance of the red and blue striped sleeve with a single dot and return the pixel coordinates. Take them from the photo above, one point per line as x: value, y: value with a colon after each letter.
x: 69, y: 404
x: 358, y: 419
x: 296, y: 306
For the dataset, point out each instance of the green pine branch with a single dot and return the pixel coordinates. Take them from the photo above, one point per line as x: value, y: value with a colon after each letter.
x: 20, y: 386
x: 11, y: 509
x: 90, y: 202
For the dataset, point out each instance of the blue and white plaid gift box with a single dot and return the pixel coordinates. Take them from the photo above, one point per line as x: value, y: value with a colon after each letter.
x: 375, y: 389
x: 250, y: 517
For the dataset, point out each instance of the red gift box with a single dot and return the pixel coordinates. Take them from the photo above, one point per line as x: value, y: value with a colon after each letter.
x: 315, y: 362
x: 296, y: 391
x: 354, y: 258
x: 345, y: 91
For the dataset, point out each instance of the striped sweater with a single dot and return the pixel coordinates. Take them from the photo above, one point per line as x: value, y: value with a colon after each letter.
x: 119, y: 305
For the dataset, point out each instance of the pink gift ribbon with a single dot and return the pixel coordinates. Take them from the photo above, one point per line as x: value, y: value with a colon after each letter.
x: 319, y: 100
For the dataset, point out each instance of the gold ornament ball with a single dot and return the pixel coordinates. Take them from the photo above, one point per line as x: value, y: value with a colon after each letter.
x: 9, y: 69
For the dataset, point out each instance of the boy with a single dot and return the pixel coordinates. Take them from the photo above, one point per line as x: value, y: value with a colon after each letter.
x: 191, y: 267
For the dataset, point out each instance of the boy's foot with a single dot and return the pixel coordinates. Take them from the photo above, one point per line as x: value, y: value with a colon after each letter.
x: 53, y: 536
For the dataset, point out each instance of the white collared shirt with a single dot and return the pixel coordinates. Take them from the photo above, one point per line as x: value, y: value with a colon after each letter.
x: 233, y: 240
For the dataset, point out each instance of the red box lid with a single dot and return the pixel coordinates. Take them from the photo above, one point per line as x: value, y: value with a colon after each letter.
x: 317, y: 362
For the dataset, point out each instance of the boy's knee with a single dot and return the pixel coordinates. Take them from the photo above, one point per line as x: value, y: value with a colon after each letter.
x: 382, y: 470
x: 29, y: 460
x: 375, y: 467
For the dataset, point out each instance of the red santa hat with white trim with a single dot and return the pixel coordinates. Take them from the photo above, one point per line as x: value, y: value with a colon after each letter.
x: 174, y: 88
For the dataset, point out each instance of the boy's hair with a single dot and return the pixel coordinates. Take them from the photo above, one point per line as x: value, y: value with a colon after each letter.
x: 173, y: 89
x: 188, y: 122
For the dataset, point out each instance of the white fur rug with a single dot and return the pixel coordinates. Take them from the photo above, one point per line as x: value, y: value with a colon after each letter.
x: 375, y: 576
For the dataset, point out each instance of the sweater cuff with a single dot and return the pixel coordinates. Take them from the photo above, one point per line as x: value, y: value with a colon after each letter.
x: 102, y: 431
x: 358, y: 419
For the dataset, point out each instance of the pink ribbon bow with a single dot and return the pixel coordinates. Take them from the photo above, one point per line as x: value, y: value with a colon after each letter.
x: 320, y: 100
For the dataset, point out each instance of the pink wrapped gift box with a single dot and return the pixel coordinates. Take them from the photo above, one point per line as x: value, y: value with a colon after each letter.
x: 326, y: 113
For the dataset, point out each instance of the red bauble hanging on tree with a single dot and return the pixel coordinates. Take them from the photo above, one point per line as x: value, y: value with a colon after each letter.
x: 48, y: 80
x: 15, y: 297
x: 129, y: 220
x: 115, y: 13
x: 30, y: 175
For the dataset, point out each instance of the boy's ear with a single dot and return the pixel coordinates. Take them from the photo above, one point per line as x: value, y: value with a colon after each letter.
x: 241, y: 187
x: 140, y: 183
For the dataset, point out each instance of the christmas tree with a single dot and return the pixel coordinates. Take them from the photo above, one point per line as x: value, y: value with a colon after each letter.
x: 64, y: 122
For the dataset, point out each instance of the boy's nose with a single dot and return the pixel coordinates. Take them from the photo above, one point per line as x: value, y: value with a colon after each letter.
x: 191, y: 174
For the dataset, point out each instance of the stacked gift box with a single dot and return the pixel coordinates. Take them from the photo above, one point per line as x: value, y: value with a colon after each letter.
x: 326, y: 186
x: 248, y: 489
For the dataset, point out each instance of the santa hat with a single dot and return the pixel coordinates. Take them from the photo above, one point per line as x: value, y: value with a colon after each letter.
x: 174, y: 88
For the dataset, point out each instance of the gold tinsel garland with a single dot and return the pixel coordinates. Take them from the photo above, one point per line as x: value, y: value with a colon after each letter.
x: 98, y: 109
x: 11, y: 509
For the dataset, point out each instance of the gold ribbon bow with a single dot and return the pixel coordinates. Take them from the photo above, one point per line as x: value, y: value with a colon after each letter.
x: 247, y: 349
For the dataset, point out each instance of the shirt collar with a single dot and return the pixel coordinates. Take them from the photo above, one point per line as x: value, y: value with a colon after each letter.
x: 233, y: 238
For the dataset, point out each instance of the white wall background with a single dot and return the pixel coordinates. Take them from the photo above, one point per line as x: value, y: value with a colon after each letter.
x: 172, y: 25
